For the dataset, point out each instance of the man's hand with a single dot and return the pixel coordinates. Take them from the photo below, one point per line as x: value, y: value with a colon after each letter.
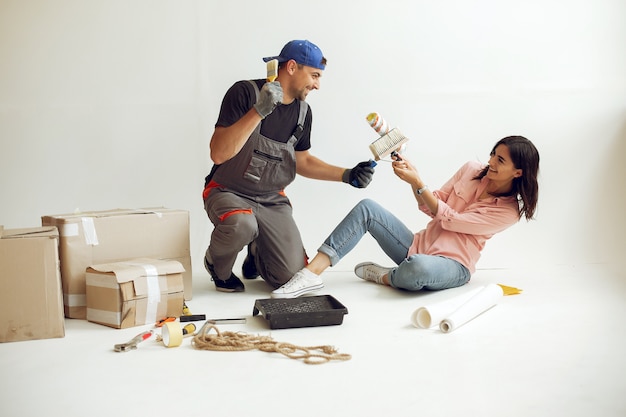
x: 361, y: 175
x: 269, y: 97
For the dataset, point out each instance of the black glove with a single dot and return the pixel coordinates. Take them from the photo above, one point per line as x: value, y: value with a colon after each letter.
x: 269, y: 97
x: 361, y: 175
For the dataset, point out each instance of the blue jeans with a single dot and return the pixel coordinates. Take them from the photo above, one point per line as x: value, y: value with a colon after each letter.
x: 414, y: 273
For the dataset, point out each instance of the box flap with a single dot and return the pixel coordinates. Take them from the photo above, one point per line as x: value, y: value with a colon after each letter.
x: 46, y: 231
x: 131, y: 269
x: 110, y: 213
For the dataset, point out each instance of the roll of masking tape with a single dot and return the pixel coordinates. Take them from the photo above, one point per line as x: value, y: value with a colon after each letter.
x: 172, y: 334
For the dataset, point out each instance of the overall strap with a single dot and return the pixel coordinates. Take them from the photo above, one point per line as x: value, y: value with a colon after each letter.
x: 299, y: 130
x: 304, y: 108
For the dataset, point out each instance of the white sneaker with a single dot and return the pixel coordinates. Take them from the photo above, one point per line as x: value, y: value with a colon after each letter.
x: 370, y: 271
x: 303, y: 282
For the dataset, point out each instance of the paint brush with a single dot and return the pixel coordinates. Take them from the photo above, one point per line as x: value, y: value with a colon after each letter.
x: 272, y: 70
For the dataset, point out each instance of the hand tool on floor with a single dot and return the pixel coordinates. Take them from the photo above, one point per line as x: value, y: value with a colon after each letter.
x: 132, y: 343
x: 212, y: 322
x: 189, y: 329
x: 186, y: 311
x: 192, y: 317
x: 187, y: 316
x: 161, y: 322
x: 238, y: 320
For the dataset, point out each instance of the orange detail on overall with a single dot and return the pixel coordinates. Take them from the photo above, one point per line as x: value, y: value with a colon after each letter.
x: 212, y: 184
x: 233, y: 212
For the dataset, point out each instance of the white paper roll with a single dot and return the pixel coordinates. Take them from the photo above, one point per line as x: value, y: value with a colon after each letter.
x: 431, y: 315
x: 478, y: 304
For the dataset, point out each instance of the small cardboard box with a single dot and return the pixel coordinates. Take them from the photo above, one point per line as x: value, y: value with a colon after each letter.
x: 31, y: 301
x: 100, y: 237
x: 134, y: 292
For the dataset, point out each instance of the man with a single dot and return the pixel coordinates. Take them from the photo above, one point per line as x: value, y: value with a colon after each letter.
x: 261, y: 141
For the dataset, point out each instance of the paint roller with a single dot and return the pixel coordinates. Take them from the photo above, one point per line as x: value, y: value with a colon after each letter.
x: 390, y: 141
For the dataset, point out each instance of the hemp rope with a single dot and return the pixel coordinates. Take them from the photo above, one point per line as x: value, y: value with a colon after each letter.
x: 231, y: 341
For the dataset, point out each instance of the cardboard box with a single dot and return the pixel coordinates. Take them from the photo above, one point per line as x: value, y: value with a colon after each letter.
x: 134, y: 292
x: 100, y: 237
x: 31, y: 301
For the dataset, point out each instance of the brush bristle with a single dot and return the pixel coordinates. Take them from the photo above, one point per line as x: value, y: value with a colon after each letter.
x: 272, y: 70
x: 388, y: 143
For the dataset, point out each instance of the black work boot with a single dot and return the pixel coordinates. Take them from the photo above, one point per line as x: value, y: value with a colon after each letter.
x: 248, y: 269
x: 232, y: 284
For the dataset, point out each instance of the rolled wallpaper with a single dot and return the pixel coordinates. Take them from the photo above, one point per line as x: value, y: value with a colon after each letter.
x: 455, y: 312
x: 431, y: 315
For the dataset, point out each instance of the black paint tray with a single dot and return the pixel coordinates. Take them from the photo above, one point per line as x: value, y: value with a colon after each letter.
x: 318, y: 310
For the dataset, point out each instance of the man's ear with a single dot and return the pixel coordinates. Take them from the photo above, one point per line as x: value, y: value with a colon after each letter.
x: 291, y: 66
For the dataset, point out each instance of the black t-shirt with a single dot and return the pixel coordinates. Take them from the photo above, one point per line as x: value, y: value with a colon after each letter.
x: 278, y: 125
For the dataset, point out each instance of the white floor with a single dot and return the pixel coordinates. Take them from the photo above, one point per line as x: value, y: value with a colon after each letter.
x: 555, y: 350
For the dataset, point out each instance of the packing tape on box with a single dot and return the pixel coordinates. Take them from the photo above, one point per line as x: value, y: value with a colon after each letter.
x: 154, y: 292
x: 154, y: 289
x: 89, y: 229
x: 172, y: 334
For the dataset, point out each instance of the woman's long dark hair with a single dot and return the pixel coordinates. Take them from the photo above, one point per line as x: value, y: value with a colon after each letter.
x: 524, y: 156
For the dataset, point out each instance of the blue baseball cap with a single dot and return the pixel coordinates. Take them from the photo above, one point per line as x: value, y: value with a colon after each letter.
x: 301, y: 51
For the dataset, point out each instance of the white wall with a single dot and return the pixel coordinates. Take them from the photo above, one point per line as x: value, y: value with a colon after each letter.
x: 107, y: 104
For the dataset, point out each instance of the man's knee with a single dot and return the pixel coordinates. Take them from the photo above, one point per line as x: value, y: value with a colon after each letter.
x: 241, y: 228
x: 243, y: 224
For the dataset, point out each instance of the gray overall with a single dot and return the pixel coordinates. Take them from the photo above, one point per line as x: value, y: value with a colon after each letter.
x: 246, y: 203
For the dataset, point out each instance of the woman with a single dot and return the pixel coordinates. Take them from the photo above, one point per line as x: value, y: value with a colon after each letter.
x: 476, y: 203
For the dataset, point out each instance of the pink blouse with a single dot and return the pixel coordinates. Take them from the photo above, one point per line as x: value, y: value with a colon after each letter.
x: 464, y: 223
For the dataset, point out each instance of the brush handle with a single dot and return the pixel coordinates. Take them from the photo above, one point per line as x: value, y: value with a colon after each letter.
x: 394, y: 153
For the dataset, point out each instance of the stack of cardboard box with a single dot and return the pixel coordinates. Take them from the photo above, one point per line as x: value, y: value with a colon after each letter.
x: 42, y: 265
x: 102, y: 237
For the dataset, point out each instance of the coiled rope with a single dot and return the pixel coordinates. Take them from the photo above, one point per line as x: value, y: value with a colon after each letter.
x: 231, y: 341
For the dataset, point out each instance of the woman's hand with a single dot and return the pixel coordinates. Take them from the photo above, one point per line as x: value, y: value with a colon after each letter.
x: 403, y: 168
